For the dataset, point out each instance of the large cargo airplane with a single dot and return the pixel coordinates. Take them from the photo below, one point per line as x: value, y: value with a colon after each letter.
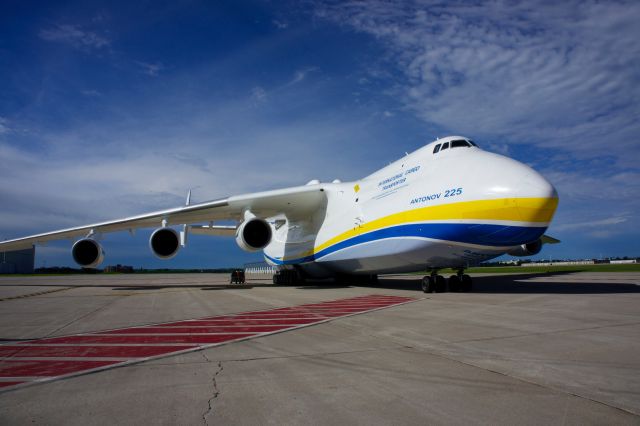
x: 449, y: 204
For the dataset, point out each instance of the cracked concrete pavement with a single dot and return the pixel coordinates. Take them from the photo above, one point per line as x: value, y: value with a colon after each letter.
x: 527, y: 350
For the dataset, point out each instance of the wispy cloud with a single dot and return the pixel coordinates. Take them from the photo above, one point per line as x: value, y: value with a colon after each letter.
x: 281, y: 25
x: 258, y: 94
x: 75, y: 36
x: 610, y: 221
x: 4, y: 126
x: 150, y: 69
x: 91, y: 92
x: 562, y: 75
x: 300, y: 75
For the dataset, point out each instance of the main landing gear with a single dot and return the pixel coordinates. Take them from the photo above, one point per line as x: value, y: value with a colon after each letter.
x: 435, y: 283
x: 287, y: 277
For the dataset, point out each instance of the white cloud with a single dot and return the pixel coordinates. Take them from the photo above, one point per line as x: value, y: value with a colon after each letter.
x: 258, y: 94
x: 300, y: 75
x: 562, y: 75
x: 75, y: 36
x: 148, y: 162
x: 610, y: 221
x: 151, y: 69
x: 281, y: 25
x: 91, y: 93
x: 4, y: 127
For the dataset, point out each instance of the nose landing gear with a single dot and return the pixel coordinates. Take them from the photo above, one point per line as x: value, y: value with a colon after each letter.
x: 435, y: 283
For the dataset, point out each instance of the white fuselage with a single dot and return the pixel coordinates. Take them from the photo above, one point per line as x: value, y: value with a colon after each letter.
x: 453, y: 208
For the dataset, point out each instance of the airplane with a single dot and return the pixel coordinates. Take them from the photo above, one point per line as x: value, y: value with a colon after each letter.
x: 449, y: 204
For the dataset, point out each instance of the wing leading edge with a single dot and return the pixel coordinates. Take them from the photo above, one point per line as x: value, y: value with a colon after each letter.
x: 295, y: 201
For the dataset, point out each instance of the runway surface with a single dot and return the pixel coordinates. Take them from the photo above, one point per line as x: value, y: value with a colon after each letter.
x: 191, y: 349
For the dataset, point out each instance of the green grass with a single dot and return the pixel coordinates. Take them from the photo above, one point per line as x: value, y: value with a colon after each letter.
x: 606, y: 267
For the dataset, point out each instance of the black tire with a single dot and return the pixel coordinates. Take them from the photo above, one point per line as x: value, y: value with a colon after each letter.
x: 440, y: 284
x: 427, y: 284
x: 467, y: 283
x: 454, y: 284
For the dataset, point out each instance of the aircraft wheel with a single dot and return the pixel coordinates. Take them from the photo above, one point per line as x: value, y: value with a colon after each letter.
x: 441, y: 284
x: 427, y: 284
x: 467, y: 283
x: 454, y: 283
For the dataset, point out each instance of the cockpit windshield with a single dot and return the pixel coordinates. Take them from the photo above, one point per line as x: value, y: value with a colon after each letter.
x: 457, y: 143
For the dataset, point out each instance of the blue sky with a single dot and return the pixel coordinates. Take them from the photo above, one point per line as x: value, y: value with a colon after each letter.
x: 109, y: 109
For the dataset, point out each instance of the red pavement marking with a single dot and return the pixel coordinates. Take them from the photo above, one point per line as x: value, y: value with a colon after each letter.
x: 266, y: 321
x: 7, y: 384
x: 199, y: 330
x: 17, y: 368
x: 87, y: 351
x: 160, y: 338
x: 128, y: 344
x: 270, y: 315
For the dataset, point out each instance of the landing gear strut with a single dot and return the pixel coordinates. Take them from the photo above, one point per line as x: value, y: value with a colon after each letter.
x: 435, y: 283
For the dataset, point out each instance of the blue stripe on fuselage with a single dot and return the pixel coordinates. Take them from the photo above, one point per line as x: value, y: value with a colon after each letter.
x: 478, y: 234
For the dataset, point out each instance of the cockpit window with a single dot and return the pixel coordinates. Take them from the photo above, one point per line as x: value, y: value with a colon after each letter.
x: 473, y: 143
x: 436, y: 148
x: 459, y: 143
x: 445, y: 146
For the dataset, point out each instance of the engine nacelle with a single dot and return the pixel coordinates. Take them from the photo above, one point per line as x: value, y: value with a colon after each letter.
x: 87, y: 253
x: 253, y: 234
x: 164, y: 243
x: 527, y: 249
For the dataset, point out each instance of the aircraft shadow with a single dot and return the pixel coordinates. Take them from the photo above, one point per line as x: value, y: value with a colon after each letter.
x: 200, y: 286
x: 508, y: 284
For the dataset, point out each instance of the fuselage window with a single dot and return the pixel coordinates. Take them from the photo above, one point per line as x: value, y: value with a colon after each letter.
x: 459, y: 143
x: 445, y: 146
x: 436, y: 148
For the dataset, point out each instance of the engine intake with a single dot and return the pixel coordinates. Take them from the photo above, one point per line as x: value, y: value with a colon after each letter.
x: 528, y: 249
x: 253, y: 234
x: 87, y: 253
x: 164, y: 243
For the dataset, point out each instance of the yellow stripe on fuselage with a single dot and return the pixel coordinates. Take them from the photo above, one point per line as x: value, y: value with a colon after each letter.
x: 538, y: 210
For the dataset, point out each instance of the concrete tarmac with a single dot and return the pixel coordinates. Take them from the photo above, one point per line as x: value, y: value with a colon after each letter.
x: 520, y: 349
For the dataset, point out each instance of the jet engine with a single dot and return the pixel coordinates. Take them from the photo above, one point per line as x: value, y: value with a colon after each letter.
x: 164, y: 243
x: 253, y: 234
x: 528, y: 249
x: 87, y: 253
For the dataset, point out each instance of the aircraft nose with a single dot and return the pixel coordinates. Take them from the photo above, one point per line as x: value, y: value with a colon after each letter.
x: 537, y: 197
x: 533, y: 185
x: 534, y: 196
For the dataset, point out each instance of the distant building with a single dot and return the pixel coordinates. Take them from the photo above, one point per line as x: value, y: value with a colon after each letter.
x: 18, y: 262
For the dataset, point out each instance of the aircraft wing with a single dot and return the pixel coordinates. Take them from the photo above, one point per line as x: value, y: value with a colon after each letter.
x: 294, y: 202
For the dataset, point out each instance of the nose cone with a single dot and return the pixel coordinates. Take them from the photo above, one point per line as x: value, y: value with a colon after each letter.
x: 532, y: 184
x: 535, y: 197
